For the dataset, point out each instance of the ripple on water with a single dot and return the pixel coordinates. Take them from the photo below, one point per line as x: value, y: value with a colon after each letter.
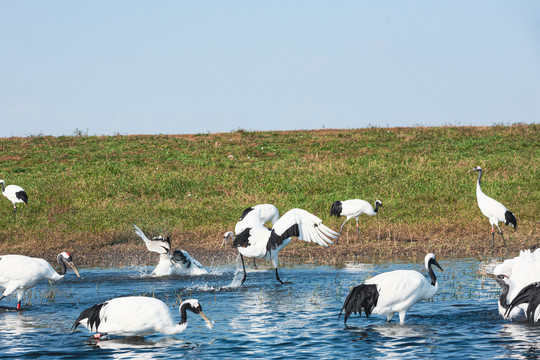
x: 263, y: 319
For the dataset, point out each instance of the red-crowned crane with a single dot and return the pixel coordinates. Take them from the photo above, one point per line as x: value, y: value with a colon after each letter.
x: 267, y: 213
x: 177, y: 263
x: 257, y: 241
x: 15, y: 194
x: 20, y: 273
x: 136, y: 316
x: 391, y: 292
x: 353, y: 208
x: 513, y: 275
x: 493, y: 210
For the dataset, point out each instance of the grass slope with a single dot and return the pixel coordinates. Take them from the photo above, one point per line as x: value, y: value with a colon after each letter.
x: 85, y: 192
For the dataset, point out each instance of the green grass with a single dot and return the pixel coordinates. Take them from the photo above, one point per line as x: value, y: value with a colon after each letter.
x: 85, y: 192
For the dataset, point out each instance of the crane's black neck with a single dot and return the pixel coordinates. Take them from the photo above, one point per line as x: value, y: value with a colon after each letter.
x: 504, y: 294
x: 62, y: 263
x: 183, y: 314
x: 432, y: 274
x: 479, y: 176
x: 376, y: 207
x: 3, y: 186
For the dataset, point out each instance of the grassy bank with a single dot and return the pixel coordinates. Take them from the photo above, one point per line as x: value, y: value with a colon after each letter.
x: 85, y: 192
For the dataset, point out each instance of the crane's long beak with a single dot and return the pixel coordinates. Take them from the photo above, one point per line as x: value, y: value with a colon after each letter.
x: 72, y: 265
x: 208, y: 322
x: 493, y: 276
x: 437, y: 264
x: 471, y: 170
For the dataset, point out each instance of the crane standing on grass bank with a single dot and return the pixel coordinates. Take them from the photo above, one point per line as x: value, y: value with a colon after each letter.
x: 15, y: 194
x: 353, y: 209
x: 493, y: 210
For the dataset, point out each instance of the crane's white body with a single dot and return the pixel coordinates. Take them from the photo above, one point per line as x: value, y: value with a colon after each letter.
x: 352, y: 209
x: 20, y: 273
x: 492, y: 209
x: 168, y: 265
x: 399, y: 290
x: 14, y: 193
x: 396, y: 291
x: 134, y: 316
x: 177, y: 263
x: 521, y: 271
x: 257, y: 241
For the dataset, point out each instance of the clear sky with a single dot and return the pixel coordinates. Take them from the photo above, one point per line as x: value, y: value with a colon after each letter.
x: 180, y: 67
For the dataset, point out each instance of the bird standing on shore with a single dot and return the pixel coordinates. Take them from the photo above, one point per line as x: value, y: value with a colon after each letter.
x: 391, y: 292
x: 493, y: 210
x: 20, y: 273
x: 15, y: 194
x: 179, y: 263
x: 136, y: 316
x: 353, y: 209
x: 257, y: 241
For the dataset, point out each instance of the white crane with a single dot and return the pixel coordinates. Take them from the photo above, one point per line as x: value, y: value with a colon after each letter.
x: 136, y: 316
x: 530, y: 295
x: 353, y: 208
x: 493, y: 210
x: 15, y: 194
x: 19, y: 272
x: 513, y: 275
x: 267, y: 213
x: 391, y: 292
x: 177, y: 263
x: 257, y: 241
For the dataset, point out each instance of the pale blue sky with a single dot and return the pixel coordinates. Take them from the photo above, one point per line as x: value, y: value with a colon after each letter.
x: 179, y: 67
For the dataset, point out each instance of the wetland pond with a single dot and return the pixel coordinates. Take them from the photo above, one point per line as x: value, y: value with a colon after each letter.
x: 264, y: 319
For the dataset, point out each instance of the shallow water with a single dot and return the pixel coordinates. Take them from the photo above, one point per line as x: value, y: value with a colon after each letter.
x: 263, y: 319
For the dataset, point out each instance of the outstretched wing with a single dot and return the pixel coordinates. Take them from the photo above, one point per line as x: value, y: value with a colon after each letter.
x: 302, y: 224
x: 158, y: 245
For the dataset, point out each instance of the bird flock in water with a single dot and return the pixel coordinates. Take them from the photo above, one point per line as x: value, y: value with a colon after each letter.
x: 384, y: 294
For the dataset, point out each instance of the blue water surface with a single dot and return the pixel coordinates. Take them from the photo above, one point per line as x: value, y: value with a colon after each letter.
x: 264, y: 319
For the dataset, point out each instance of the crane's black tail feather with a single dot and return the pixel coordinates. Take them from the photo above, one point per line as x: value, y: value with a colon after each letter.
x: 510, y: 218
x: 362, y: 296
x: 336, y: 209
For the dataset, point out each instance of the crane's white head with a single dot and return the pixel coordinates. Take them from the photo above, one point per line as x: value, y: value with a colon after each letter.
x: 478, y: 168
x: 65, y: 257
x: 194, y: 306
x: 430, y: 260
